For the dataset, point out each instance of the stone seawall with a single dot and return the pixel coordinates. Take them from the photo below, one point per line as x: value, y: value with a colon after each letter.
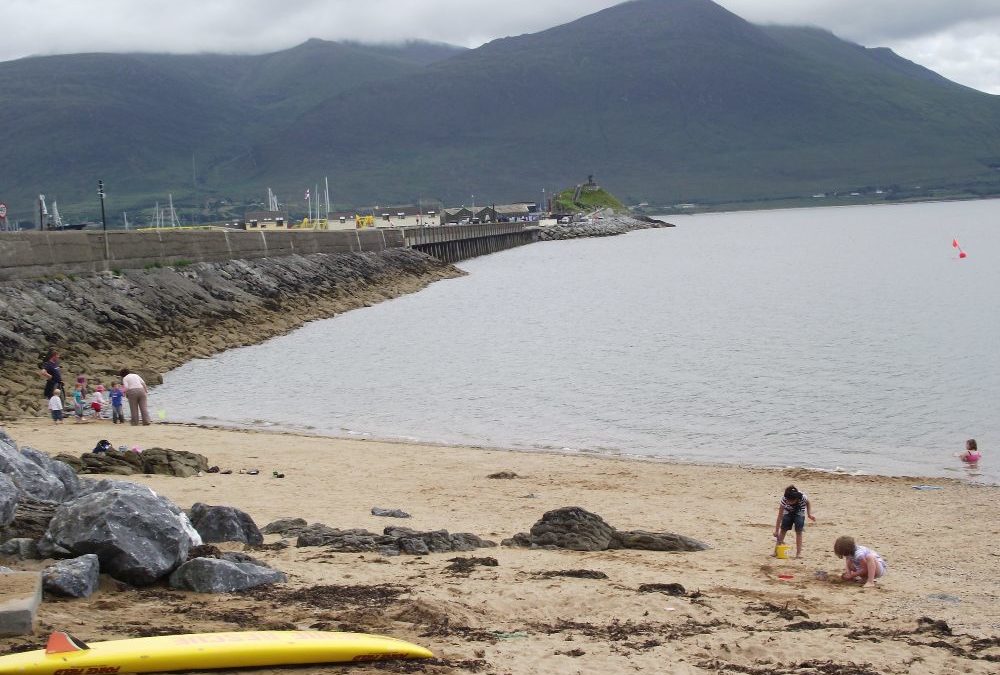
x: 27, y: 255
x: 152, y: 320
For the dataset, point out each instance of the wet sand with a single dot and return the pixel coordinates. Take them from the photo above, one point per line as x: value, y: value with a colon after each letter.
x: 937, y: 610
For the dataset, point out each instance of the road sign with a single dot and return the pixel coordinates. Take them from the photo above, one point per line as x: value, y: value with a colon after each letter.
x: 3, y: 210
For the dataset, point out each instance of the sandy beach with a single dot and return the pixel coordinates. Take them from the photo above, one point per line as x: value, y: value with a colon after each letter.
x: 740, y: 614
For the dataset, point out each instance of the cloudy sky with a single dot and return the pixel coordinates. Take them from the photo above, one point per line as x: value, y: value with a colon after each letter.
x: 957, y: 38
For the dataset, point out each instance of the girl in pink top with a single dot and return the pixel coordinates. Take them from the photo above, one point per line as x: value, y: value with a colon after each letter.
x: 971, y: 454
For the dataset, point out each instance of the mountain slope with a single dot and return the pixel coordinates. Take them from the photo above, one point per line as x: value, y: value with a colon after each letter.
x: 149, y: 124
x: 663, y: 100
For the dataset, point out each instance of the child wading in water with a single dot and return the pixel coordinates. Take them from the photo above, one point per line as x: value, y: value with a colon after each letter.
x: 971, y: 454
x: 792, y: 512
x: 863, y: 564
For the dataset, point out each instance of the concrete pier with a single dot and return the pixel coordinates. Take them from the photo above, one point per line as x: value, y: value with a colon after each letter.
x: 454, y: 243
x: 27, y: 255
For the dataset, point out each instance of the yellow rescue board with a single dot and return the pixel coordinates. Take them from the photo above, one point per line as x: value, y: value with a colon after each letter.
x: 205, y: 651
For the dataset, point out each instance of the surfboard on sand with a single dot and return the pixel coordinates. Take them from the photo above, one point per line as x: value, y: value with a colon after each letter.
x: 66, y: 655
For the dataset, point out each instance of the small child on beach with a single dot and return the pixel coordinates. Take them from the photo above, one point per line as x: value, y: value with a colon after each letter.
x: 793, y: 509
x: 56, y: 407
x: 97, y: 401
x: 863, y: 564
x: 78, y: 402
x: 971, y: 454
x: 117, y: 413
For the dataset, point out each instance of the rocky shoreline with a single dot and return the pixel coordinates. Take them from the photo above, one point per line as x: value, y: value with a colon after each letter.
x: 608, y: 226
x: 156, y: 319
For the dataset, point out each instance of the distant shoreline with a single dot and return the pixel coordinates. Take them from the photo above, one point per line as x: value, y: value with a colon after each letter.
x: 742, y: 207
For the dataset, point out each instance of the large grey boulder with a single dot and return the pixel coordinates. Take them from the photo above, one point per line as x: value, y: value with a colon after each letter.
x: 76, y: 578
x: 64, y: 472
x: 224, y: 523
x: 31, y: 479
x: 215, y: 575
x: 8, y: 500
x: 138, y: 535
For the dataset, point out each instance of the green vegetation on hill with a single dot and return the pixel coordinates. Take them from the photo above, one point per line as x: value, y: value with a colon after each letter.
x: 588, y: 200
x: 668, y: 101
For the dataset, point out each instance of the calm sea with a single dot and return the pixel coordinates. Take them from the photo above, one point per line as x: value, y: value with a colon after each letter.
x: 836, y: 337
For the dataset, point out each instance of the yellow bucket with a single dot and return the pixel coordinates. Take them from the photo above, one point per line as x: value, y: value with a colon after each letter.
x: 781, y: 551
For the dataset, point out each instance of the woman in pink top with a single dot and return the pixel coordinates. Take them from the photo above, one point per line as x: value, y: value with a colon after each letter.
x: 136, y: 393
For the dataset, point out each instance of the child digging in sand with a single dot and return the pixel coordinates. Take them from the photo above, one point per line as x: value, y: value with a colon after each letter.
x: 792, y: 512
x: 863, y: 564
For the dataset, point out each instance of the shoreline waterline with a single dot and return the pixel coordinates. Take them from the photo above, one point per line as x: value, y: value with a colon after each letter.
x: 606, y: 455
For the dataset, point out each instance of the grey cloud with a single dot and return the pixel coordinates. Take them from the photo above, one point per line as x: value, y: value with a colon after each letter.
x: 868, y: 21
x: 969, y: 53
x: 924, y: 30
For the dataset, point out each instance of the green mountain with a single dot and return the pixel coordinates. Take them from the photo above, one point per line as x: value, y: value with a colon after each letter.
x: 663, y: 100
x: 152, y: 124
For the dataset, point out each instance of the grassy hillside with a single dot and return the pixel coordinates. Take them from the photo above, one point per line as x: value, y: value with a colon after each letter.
x: 588, y: 200
x: 666, y: 100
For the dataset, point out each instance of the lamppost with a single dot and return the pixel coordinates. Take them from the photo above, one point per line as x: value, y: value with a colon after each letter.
x: 104, y: 220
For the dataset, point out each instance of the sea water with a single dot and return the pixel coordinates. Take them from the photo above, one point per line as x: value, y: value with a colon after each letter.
x: 850, y: 338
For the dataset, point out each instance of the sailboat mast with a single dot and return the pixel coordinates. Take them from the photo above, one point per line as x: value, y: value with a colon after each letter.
x: 173, y: 214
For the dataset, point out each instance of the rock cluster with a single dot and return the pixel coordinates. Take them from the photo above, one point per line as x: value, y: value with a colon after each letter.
x: 160, y: 461
x: 577, y: 529
x: 608, y: 227
x: 170, y: 315
x: 392, y: 542
x: 117, y: 528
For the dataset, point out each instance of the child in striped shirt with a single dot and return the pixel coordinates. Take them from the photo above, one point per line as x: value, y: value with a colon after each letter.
x: 793, y: 510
